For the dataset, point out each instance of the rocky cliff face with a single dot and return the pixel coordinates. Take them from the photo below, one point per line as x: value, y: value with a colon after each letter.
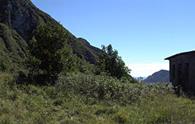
x: 20, y: 18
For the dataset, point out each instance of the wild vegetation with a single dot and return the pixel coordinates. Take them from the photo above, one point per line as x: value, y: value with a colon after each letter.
x: 49, y: 56
x: 48, y: 76
x: 56, y: 86
x: 112, y: 64
x: 86, y: 99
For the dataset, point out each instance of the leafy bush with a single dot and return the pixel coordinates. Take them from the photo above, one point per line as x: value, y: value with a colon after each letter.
x: 107, y: 88
x: 49, y: 54
x: 111, y: 63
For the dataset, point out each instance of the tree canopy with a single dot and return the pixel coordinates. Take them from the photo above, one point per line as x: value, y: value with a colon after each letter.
x: 49, y: 53
x: 111, y: 63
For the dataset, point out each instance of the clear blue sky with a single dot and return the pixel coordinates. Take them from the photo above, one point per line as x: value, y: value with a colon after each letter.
x: 143, y: 31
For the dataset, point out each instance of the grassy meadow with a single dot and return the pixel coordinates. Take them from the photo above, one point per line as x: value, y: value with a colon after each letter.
x: 88, y: 99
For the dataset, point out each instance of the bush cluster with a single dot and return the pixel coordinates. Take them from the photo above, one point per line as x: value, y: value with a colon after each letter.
x: 112, y: 64
x: 105, y: 88
x: 78, y: 99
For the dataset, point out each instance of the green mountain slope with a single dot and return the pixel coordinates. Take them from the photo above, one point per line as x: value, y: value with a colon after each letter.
x: 19, y: 19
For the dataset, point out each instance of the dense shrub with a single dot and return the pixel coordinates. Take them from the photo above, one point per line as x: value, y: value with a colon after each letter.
x: 75, y: 100
x: 111, y: 63
x: 49, y: 54
x: 107, y: 88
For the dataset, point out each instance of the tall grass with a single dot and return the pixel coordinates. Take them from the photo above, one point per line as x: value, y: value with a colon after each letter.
x: 87, y: 99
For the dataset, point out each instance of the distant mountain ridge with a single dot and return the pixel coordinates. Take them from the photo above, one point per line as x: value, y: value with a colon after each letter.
x: 161, y: 76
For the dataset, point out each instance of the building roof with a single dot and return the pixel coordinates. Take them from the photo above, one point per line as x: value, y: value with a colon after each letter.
x: 183, y: 53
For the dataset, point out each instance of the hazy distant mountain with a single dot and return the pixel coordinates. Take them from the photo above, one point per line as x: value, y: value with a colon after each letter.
x: 158, y: 77
x: 140, y: 79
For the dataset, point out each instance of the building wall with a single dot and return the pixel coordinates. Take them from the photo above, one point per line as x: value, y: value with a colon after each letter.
x: 182, y: 71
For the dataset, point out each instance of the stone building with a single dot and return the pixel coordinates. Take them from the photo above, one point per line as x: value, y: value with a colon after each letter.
x: 182, y: 71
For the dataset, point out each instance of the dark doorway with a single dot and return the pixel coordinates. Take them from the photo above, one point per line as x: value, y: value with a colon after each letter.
x: 180, y: 75
x: 172, y: 73
x: 186, y: 76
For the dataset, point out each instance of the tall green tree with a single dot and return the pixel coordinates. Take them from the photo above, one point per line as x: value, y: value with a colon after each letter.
x: 111, y: 63
x: 49, y: 53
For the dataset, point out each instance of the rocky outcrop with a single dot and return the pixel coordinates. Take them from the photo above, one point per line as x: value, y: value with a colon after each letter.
x: 20, y: 18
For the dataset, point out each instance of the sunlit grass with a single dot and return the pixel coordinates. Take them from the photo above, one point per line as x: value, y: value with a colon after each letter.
x: 76, y: 100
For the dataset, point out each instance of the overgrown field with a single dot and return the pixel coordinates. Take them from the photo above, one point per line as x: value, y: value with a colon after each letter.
x: 88, y: 99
